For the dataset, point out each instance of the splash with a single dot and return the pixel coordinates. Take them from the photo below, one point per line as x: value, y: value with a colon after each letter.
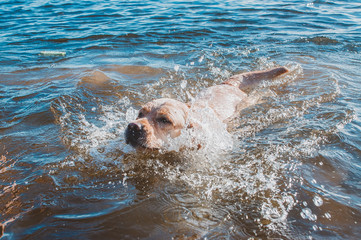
x: 218, y: 169
x: 207, y: 134
x: 250, y: 165
x: 92, y: 132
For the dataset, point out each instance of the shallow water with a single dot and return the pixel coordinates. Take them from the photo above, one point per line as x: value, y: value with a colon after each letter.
x: 289, y: 169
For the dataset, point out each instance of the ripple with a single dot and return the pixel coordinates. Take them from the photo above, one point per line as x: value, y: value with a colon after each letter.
x: 177, y: 214
x: 83, y: 216
x: 293, y: 159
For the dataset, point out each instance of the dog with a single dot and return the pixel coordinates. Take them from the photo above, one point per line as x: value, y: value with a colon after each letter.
x: 165, y: 118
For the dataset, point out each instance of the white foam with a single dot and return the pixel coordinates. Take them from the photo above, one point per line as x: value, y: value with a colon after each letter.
x: 208, y: 134
x: 101, y: 135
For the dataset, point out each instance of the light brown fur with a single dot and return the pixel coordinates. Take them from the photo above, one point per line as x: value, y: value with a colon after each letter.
x: 165, y: 118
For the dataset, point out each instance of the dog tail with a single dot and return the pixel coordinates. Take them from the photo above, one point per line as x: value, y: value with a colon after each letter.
x: 250, y: 79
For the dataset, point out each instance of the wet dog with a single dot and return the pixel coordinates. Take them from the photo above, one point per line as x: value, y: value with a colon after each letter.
x: 165, y: 118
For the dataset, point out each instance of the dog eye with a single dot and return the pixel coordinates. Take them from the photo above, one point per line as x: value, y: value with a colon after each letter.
x: 164, y: 120
x: 140, y: 115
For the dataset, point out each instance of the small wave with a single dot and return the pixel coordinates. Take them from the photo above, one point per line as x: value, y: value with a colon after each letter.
x: 90, y: 214
x: 86, y: 38
x: 135, y: 70
x: 353, y: 47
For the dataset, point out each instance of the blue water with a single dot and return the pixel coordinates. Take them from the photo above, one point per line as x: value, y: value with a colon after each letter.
x: 73, y: 74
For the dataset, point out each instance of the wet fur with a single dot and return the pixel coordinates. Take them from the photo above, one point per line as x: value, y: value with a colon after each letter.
x: 165, y: 118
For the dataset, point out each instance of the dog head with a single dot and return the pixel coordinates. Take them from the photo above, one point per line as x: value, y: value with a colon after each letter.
x: 157, y: 121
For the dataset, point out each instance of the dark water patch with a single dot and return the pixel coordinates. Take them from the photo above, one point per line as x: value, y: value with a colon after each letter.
x: 353, y: 47
x: 288, y: 12
x: 322, y: 40
x: 322, y: 2
x: 91, y: 37
x: 98, y: 48
x: 110, y: 15
x: 129, y: 36
x: 223, y: 20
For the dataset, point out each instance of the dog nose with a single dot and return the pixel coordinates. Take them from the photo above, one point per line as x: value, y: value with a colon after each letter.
x: 134, y: 127
x: 134, y: 134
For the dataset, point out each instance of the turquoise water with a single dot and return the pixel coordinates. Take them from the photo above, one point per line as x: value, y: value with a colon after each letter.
x: 73, y: 74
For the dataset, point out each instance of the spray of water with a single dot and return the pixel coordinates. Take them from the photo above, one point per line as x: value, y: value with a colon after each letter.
x: 249, y: 165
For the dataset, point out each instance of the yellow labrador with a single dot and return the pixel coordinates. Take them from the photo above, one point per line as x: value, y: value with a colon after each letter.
x: 165, y: 118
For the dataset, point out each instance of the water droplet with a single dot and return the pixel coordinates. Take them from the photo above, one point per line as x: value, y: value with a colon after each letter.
x: 313, y: 217
x: 201, y: 59
x: 307, y: 214
x: 317, y: 200
x: 183, y: 84
x: 327, y: 215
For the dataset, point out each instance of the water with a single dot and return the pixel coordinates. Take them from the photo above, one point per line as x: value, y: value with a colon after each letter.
x: 74, y: 73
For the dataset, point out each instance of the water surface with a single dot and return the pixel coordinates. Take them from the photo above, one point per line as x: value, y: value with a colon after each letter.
x: 290, y: 169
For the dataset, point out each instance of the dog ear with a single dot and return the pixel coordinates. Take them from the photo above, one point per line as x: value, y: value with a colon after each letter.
x: 175, y: 133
